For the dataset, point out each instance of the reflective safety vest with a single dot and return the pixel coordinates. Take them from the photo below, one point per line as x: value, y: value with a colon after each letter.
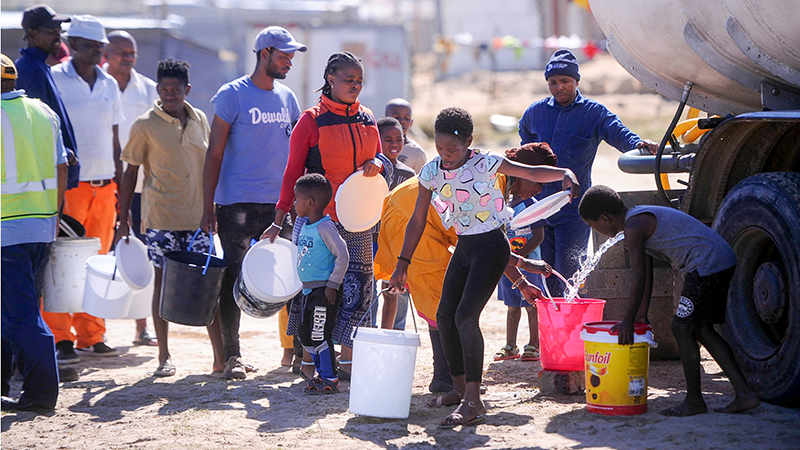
x: 29, y: 159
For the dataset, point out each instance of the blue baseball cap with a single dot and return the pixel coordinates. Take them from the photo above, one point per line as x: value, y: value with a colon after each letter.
x: 279, y: 38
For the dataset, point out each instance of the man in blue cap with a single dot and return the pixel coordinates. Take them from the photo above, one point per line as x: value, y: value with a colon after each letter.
x: 247, y: 153
x: 573, y: 125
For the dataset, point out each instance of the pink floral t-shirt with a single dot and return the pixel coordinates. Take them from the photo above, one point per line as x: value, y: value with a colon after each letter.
x: 468, y: 198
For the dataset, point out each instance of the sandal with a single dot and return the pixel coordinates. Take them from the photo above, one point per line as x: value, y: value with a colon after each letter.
x: 530, y: 353
x: 145, y: 338
x: 507, y: 352
x: 320, y: 386
x: 457, y: 418
x: 449, y: 399
x: 165, y: 370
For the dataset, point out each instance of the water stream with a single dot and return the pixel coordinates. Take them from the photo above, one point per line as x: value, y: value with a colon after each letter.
x: 579, y: 277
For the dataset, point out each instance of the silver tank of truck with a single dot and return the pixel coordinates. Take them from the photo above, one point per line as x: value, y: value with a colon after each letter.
x: 738, y: 53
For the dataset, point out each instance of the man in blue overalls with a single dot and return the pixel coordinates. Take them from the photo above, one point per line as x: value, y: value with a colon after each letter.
x: 573, y: 125
x: 34, y: 177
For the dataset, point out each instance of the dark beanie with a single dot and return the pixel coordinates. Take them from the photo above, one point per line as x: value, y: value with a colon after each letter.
x: 563, y: 62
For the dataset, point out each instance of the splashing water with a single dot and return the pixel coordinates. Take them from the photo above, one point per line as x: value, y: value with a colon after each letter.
x: 579, y: 277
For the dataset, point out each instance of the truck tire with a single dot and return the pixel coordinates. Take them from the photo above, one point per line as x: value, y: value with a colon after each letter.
x: 760, y: 219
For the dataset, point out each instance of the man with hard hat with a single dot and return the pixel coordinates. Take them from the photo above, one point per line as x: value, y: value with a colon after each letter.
x: 42, y: 28
x: 34, y: 177
x: 93, y: 103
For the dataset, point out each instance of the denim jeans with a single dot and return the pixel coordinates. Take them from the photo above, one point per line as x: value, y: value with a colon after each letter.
x: 238, y: 224
x: 26, y: 339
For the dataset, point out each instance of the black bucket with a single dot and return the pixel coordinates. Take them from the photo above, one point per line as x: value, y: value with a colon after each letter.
x: 191, y: 286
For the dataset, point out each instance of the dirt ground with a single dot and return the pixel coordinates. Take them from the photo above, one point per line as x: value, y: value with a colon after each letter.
x: 117, y: 403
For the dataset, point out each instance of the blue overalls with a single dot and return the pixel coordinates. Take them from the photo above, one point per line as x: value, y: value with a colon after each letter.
x: 573, y: 132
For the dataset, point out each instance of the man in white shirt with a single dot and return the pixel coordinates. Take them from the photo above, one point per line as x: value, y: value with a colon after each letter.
x: 138, y: 94
x: 92, y: 100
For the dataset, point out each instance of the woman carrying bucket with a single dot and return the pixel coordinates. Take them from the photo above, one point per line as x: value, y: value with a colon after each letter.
x: 337, y: 137
x: 463, y: 186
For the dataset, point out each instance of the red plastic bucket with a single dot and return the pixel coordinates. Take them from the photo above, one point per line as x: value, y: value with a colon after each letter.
x: 560, y: 341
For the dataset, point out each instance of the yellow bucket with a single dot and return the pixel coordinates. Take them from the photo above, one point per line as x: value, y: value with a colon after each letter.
x: 616, y: 375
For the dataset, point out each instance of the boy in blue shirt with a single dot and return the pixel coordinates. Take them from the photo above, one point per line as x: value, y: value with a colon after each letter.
x: 322, y: 261
x: 524, y: 242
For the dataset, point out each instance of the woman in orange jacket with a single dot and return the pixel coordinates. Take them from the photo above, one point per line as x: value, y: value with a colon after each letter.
x: 337, y: 137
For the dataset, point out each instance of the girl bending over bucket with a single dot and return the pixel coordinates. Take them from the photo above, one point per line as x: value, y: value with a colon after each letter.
x: 462, y: 185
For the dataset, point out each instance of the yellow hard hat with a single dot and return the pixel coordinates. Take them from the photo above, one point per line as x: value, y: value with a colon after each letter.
x: 9, y: 69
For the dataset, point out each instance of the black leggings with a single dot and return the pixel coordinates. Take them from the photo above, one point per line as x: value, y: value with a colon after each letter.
x: 472, y: 275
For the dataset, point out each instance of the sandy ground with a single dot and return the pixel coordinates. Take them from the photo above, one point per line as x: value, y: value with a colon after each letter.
x: 117, y: 403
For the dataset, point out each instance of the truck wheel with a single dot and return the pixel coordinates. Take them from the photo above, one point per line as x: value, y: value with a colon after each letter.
x: 760, y: 219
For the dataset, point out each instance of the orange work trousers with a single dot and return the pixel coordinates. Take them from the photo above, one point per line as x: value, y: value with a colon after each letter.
x: 96, y: 209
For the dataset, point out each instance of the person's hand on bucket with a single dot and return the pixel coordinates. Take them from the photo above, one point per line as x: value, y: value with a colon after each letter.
x: 372, y: 168
x: 625, y: 331
x: 122, y: 233
x: 397, y: 284
x: 209, y: 222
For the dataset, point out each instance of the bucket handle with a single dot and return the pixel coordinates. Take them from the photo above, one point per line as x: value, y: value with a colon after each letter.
x: 210, y: 252
x: 381, y: 292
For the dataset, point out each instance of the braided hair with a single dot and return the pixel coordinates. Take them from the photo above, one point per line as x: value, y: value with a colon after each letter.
x: 454, y: 122
x: 336, y: 62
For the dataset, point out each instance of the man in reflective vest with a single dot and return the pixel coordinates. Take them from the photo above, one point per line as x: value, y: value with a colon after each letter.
x: 34, y: 177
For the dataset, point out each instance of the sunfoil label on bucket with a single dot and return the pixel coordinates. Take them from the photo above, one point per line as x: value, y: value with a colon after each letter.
x: 616, y: 377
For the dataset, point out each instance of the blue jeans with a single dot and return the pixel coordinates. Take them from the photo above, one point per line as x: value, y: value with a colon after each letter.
x: 26, y: 339
x: 565, y: 241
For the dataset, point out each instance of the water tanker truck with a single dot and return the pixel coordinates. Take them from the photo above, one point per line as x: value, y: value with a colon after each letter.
x: 737, y: 60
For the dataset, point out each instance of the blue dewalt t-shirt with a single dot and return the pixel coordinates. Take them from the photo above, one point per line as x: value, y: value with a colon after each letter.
x: 258, y: 142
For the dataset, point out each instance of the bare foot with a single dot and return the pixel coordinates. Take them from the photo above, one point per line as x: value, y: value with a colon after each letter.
x: 685, y: 409
x: 449, y: 399
x: 741, y: 403
x: 288, y: 355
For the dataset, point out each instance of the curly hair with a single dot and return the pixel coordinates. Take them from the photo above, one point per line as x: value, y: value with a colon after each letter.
x: 173, y: 68
x: 316, y: 186
x: 336, y: 62
x: 600, y: 200
x: 533, y: 154
x: 455, y: 122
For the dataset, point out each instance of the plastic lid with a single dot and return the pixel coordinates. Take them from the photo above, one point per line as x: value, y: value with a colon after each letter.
x: 541, y: 210
x: 359, y: 201
x: 133, y: 264
x: 270, y: 270
x: 102, y: 266
x: 390, y: 337
x: 78, y: 241
x: 601, y: 332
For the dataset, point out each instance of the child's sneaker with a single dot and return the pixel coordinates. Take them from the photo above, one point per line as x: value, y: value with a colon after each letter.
x: 319, y: 386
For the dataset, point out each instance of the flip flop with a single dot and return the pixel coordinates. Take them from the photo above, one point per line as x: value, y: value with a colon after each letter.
x: 165, y: 370
x: 456, y: 418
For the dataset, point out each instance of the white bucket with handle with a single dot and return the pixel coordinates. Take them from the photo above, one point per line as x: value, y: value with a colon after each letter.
x: 64, y: 275
x: 383, y: 371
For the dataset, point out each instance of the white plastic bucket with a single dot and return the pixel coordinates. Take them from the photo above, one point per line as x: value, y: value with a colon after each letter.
x: 106, y: 296
x: 64, y: 275
x: 382, y: 372
x: 142, y: 302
